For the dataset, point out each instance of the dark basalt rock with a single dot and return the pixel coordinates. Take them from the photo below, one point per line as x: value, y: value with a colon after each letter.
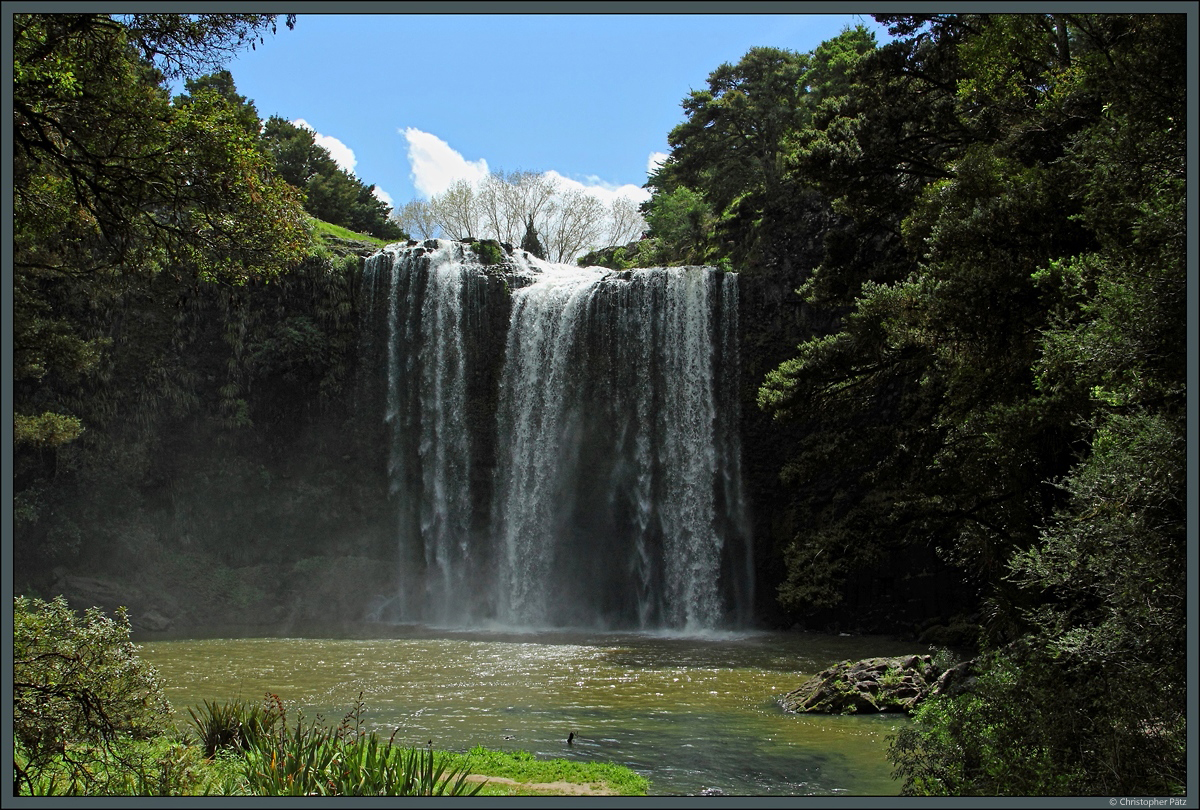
x: 896, y: 684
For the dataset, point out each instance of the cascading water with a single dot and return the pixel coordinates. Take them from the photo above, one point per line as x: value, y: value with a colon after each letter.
x: 563, y: 440
x: 429, y: 460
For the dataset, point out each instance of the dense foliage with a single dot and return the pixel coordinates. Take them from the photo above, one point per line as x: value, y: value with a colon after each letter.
x: 177, y: 318
x: 1005, y: 383
x: 996, y: 378
x: 332, y: 194
x: 80, y: 695
x: 108, y: 180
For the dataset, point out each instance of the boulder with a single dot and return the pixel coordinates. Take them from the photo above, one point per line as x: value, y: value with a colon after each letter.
x: 83, y: 592
x: 955, y: 680
x: 871, y: 685
x: 152, y: 620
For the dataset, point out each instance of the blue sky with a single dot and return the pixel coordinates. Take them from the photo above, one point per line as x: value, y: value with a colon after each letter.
x: 412, y: 102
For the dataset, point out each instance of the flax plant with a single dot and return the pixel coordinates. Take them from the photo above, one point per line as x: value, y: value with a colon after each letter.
x: 308, y: 760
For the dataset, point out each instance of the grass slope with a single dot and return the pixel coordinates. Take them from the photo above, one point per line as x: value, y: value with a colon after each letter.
x: 325, y: 230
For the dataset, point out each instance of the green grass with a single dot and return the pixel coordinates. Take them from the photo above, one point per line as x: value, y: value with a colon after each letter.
x: 325, y: 229
x: 167, y: 766
x: 164, y: 766
x: 238, y: 748
x: 521, y: 766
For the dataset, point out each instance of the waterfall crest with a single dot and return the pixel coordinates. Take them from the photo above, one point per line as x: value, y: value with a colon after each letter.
x: 563, y: 441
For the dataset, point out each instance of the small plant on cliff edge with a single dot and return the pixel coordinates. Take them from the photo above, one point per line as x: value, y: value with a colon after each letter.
x: 488, y: 252
x: 893, y: 677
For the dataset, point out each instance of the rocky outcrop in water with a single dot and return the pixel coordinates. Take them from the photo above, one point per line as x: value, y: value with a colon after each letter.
x: 871, y: 685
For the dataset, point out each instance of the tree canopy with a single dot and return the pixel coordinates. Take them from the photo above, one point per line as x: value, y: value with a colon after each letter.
x: 111, y: 181
x: 1004, y: 381
x: 331, y: 193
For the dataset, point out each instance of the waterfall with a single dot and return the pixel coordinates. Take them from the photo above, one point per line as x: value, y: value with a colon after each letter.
x: 428, y: 460
x: 563, y: 441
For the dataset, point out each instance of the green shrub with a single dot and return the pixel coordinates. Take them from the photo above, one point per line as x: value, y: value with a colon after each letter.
x: 125, y: 767
x: 79, y: 693
x: 1041, y: 724
x: 893, y: 677
x: 488, y: 252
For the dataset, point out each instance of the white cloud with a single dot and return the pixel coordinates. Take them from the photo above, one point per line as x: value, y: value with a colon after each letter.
x: 384, y: 197
x: 655, y: 160
x: 436, y: 166
x: 605, y: 192
x: 342, y: 155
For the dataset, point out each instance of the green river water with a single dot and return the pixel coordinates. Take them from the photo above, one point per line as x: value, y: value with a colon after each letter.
x: 689, y: 713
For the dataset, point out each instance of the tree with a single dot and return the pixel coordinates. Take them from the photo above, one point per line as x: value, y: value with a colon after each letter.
x: 933, y: 432
x: 417, y: 218
x: 626, y: 222
x: 1028, y: 364
x: 298, y: 158
x: 190, y: 44
x: 732, y: 139
x: 507, y: 207
x: 530, y: 242
x: 508, y: 202
x: 99, y: 153
x: 457, y: 211
x: 332, y: 194
x: 574, y: 223
x: 737, y: 143
x: 110, y: 182
x: 119, y: 197
x: 222, y: 84
x: 680, y: 223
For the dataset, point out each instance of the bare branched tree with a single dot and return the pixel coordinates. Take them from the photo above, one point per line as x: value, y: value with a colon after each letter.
x: 576, y: 223
x: 417, y: 218
x: 505, y: 206
x: 457, y: 211
x: 508, y: 201
x: 625, y: 221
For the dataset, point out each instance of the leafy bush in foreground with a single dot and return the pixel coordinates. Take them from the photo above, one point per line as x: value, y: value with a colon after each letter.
x: 1036, y: 724
x: 80, y: 693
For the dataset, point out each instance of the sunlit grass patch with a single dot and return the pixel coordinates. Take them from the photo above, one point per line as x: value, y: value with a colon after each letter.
x: 324, y: 229
x: 524, y: 768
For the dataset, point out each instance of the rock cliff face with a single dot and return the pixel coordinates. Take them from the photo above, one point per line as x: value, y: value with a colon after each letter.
x: 774, y: 321
x: 259, y: 501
